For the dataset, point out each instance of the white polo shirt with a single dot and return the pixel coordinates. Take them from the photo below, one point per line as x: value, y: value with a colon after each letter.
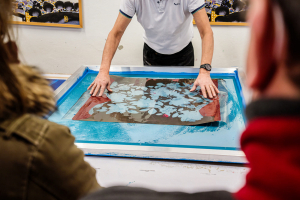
x: 167, y: 23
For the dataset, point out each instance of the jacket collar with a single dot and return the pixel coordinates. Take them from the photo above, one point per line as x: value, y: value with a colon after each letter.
x: 273, y: 108
x: 26, y: 126
x: 11, y: 126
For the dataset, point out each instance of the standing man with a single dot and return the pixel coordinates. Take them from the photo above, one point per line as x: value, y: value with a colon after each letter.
x: 168, y: 35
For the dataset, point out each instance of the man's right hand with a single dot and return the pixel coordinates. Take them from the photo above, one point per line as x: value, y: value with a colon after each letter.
x: 101, y: 82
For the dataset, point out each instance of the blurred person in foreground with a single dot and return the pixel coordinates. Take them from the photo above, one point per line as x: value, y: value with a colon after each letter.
x: 271, y: 141
x: 38, y: 158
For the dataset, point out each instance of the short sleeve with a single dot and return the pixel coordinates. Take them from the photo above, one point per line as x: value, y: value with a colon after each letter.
x: 195, y: 5
x: 127, y: 8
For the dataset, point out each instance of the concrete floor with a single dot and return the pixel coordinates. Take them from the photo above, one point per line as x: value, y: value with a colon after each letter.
x: 161, y: 175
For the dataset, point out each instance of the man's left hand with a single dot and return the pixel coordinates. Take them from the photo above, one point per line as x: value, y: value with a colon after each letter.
x: 207, y: 86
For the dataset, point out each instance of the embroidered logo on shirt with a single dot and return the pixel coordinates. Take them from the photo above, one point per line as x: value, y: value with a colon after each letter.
x: 177, y: 4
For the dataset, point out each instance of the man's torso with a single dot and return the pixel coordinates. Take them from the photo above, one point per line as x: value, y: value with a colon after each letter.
x: 167, y: 23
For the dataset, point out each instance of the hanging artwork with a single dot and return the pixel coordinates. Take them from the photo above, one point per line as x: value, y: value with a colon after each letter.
x: 48, y: 13
x: 151, y: 101
x: 227, y: 12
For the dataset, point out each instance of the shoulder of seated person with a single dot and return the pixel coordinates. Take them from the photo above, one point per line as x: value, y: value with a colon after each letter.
x: 32, y: 128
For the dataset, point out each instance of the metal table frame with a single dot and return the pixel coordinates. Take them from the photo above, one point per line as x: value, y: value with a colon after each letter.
x: 211, y: 155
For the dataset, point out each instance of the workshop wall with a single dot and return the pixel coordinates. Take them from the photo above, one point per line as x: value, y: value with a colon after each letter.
x: 64, y: 50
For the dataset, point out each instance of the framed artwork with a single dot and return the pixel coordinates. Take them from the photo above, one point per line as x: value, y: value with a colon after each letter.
x: 227, y: 12
x: 48, y: 13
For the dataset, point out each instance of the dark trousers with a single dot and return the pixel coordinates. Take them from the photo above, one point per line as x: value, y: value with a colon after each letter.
x: 128, y: 193
x: 183, y: 58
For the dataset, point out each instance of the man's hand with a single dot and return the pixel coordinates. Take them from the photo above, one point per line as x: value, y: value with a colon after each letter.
x: 206, y: 84
x: 204, y: 81
x: 101, y: 82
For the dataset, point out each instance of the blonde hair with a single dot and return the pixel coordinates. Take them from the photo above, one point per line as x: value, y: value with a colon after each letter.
x: 36, y: 96
x: 22, y: 88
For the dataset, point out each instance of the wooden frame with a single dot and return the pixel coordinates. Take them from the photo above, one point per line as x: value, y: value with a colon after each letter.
x: 226, y: 23
x: 226, y: 12
x: 56, y: 24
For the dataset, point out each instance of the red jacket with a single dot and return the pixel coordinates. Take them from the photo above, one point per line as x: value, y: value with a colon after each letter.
x: 271, y: 144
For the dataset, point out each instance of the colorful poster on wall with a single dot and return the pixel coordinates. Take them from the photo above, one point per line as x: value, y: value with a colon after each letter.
x: 151, y: 101
x: 227, y: 12
x: 48, y: 13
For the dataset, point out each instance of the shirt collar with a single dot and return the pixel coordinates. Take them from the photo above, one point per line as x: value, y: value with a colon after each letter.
x: 160, y: 5
x: 273, y: 108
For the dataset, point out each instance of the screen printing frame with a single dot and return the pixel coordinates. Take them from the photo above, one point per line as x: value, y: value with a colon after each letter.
x: 173, y: 153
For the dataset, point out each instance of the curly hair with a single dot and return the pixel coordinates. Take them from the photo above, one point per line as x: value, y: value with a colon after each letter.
x: 23, y: 89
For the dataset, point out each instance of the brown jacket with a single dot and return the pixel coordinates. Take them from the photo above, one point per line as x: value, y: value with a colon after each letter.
x: 38, y: 160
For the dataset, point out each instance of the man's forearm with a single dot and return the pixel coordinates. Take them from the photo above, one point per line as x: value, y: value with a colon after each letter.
x: 110, y: 49
x: 207, y: 48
